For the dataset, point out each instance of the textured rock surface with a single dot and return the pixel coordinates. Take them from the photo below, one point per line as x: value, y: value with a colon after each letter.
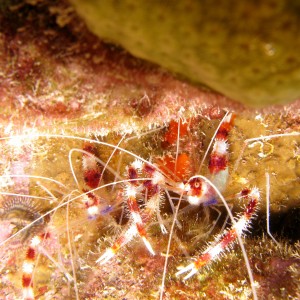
x: 247, y: 50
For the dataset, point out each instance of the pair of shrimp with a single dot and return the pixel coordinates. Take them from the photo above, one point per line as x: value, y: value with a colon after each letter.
x: 149, y: 183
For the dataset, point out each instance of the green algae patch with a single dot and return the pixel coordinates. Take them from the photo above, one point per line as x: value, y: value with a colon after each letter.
x: 247, y: 50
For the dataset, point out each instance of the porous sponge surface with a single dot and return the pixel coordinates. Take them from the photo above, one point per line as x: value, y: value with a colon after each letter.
x: 247, y: 50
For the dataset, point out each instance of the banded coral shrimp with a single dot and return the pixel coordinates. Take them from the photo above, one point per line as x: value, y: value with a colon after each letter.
x: 123, y: 261
x: 62, y: 187
x: 29, y: 199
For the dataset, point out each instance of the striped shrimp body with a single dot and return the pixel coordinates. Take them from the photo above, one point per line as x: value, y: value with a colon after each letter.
x: 197, y: 190
x: 37, y: 214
